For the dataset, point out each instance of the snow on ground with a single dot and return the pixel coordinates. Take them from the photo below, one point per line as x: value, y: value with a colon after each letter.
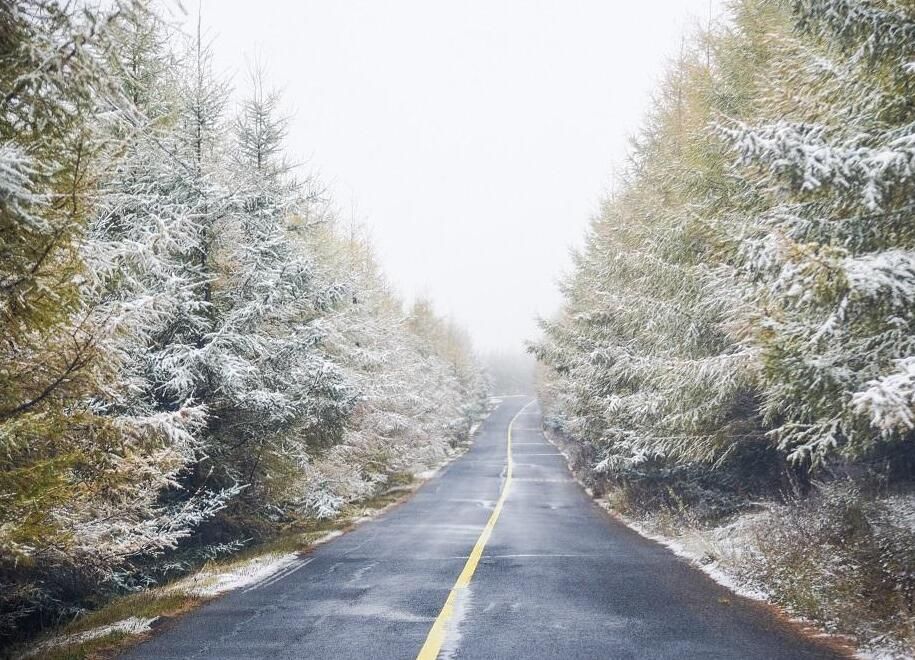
x: 130, y: 626
x: 212, y: 582
x: 425, y: 475
x: 702, y: 547
x: 330, y: 536
x: 902, y: 510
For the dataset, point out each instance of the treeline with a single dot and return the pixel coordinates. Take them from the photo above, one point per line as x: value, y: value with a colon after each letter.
x: 748, y: 292
x: 741, y: 321
x: 194, y: 354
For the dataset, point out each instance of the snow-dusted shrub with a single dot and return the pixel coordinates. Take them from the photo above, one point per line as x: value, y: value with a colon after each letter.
x: 840, y: 558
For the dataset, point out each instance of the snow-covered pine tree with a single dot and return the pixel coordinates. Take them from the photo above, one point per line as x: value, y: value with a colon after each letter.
x: 192, y: 154
x: 270, y: 389
x: 148, y: 288
x: 79, y: 481
x: 413, y: 406
x: 830, y: 253
x: 49, y: 359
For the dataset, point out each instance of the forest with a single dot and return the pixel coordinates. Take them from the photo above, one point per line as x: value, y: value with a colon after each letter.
x: 735, y: 354
x: 196, y: 354
x: 203, y: 362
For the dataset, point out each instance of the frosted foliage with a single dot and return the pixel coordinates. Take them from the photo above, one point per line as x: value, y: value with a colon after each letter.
x: 889, y: 401
x: 751, y: 282
x: 419, y: 387
x: 16, y: 173
x: 192, y: 347
x: 874, y: 29
x: 809, y: 161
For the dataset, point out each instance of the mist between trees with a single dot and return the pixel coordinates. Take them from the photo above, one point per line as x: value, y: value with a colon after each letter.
x: 510, y: 372
x: 739, y: 330
x: 195, y: 353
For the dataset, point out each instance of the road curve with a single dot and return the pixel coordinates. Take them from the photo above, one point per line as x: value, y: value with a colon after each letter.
x: 557, y: 578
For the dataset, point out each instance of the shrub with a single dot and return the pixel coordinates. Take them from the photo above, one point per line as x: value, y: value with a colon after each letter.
x: 842, y: 559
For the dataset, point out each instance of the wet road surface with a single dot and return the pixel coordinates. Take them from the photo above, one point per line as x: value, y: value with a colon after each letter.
x: 556, y: 578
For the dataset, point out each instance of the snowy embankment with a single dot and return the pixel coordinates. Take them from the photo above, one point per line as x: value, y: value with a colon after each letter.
x: 129, y: 626
x: 724, y: 552
x: 217, y: 579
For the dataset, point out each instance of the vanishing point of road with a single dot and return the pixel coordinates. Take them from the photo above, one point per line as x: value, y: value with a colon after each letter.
x: 500, y: 555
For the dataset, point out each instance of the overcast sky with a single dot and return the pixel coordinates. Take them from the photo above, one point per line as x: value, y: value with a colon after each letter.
x: 475, y: 138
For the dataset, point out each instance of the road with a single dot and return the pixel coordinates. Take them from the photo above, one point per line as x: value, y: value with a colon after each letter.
x: 468, y: 568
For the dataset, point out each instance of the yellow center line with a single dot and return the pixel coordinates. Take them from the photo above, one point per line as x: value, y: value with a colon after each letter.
x: 436, y: 637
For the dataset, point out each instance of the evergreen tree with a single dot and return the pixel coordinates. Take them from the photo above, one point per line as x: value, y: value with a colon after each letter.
x: 730, y: 307
x: 272, y: 389
x: 830, y: 254
x: 148, y: 282
x: 80, y: 473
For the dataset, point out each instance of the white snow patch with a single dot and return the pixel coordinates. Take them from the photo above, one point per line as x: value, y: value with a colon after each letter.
x: 692, y: 551
x: 453, y: 635
x: 429, y: 472
x: 212, y: 582
x: 333, y: 607
x: 132, y: 626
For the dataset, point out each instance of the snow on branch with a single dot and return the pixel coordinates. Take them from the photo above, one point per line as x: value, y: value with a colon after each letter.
x: 889, y: 401
x: 804, y: 155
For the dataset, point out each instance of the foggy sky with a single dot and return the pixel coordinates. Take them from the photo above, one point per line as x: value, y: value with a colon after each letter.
x: 475, y: 139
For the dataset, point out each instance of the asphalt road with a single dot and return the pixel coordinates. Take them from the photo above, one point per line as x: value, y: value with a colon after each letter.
x: 557, y: 578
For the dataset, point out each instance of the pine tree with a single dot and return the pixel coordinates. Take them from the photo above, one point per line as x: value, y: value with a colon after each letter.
x: 148, y: 286
x: 652, y: 373
x: 830, y: 254
x: 68, y: 469
x: 271, y: 388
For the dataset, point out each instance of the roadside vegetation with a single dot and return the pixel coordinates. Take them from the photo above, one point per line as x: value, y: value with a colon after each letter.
x: 127, y: 619
x: 735, y: 357
x: 196, y: 357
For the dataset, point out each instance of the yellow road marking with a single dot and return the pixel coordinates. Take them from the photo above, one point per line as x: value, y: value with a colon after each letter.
x: 436, y: 637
